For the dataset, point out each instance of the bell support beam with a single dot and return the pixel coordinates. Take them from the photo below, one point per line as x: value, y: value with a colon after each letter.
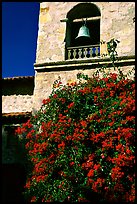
x: 87, y: 19
x: 81, y: 19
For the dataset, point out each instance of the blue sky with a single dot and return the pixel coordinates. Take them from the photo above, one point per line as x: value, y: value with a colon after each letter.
x: 19, y: 38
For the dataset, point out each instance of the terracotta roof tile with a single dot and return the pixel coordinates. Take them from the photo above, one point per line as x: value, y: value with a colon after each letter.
x: 15, y: 114
x: 18, y: 78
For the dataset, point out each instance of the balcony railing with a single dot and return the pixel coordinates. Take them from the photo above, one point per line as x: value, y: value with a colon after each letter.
x: 80, y: 52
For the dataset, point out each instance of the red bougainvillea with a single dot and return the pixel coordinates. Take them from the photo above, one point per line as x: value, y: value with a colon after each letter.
x: 81, y: 143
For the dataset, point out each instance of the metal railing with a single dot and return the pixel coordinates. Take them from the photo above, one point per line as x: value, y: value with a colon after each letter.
x: 80, y: 52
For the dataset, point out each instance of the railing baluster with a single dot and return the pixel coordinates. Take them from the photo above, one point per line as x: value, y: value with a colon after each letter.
x: 83, y: 52
x: 74, y: 53
x: 96, y: 51
x: 69, y: 54
x: 80, y: 53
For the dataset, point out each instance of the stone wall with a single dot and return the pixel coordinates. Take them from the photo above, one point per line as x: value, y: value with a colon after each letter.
x: 116, y: 22
x: 17, y: 103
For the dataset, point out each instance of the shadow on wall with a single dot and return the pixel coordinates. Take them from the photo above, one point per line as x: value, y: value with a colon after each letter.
x: 18, y: 86
x: 14, y: 168
x: 13, y: 181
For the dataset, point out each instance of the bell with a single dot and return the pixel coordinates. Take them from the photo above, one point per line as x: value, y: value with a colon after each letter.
x: 83, y: 32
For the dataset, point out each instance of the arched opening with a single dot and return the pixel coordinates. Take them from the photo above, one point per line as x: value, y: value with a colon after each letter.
x: 76, y: 17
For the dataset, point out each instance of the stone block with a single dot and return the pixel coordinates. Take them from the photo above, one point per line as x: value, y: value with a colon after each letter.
x: 45, y: 18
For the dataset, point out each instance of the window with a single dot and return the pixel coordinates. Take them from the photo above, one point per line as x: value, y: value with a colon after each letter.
x: 83, y: 47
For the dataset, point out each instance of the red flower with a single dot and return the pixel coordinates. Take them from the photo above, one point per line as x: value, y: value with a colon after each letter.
x: 55, y: 96
x: 62, y: 144
x: 96, y: 166
x: 106, y: 188
x: 65, y: 111
x: 80, y: 199
x: 95, y: 99
x: 40, y: 178
x: 113, y: 76
x: 18, y: 130
x: 70, y: 105
x: 71, y: 163
x: 111, y: 123
x: 87, y: 165
x: 130, y: 118
x: 112, y: 93
x: 105, y: 79
x: 95, y: 186
x: 83, y: 123
x: 101, y: 112
x: 100, y: 181
x: 29, y: 135
x: 69, y: 137
x: 63, y: 100
x: 118, y: 187
x: 28, y: 185
x: 102, y: 156
x: 33, y: 199
x: 97, y: 137
x: 119, y: 147
x: 46, y: 101
x: 116, y: 173
x: 128, y: 151
x: 90, y: 173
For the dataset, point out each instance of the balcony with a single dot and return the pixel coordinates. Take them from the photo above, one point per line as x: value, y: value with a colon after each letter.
x: 88, y: 51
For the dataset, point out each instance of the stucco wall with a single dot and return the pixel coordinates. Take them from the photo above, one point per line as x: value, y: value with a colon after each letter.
x: 116, y: 22
x: 17, y: 103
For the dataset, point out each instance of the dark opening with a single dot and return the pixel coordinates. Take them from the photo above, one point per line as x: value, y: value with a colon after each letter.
x: 13, y: 181
x: 94, y: 30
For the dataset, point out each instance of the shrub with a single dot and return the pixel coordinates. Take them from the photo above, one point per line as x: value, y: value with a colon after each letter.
x: 81, y: 142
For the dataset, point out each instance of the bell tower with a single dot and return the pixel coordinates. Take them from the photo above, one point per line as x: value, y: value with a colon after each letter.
x: 63, y: 48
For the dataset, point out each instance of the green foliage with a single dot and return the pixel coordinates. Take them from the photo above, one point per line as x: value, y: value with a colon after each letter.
x: 111, y: 47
